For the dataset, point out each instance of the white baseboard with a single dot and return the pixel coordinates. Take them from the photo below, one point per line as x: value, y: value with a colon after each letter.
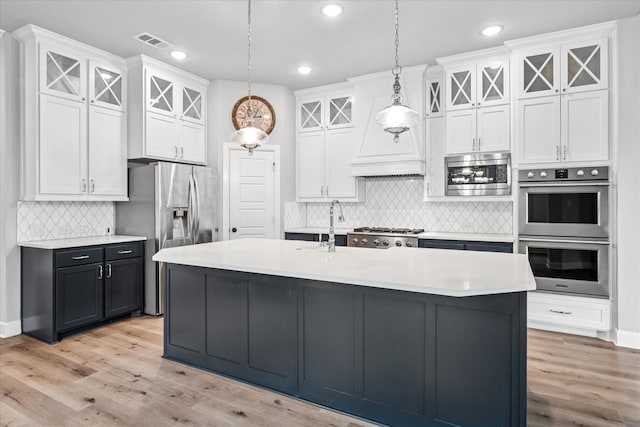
x: 627, y: 339
x: 10, y: 329
x: 603, y: 335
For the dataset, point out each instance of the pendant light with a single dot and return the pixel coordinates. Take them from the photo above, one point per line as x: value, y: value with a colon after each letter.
x: 397, y: 118
x: 249, y: 136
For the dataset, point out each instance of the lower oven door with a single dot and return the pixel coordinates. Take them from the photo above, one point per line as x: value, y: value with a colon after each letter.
x: 577, y: 267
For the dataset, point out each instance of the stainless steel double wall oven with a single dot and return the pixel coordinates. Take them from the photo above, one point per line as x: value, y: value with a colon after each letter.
x: 564, y: 228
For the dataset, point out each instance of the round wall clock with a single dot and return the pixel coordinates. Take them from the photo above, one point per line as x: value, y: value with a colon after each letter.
x: 264, y: 113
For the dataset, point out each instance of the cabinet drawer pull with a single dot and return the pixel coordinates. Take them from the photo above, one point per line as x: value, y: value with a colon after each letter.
x: 560, y: 312
x: 128, y: 251
x: 80, y: 257
x: 99, y: 272
x: 108, y: 271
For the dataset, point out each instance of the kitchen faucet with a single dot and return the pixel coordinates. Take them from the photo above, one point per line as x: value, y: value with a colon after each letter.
x: 332, y: 234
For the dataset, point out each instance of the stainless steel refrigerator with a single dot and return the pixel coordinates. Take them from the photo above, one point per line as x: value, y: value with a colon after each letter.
x: 173, y: 205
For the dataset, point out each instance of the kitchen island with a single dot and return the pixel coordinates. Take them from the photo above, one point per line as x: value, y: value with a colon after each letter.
x: 400, y: 336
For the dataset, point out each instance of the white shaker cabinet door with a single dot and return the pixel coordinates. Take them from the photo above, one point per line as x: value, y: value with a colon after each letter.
x: 338, y: 152
x: 161, y: 136
x: 585, y: 130
x: 493, y: 128
x: 192, y: 142
x: 310, y: 165
x: 62, y: 146
x: 539, y: 129
x: 461, y: 131
x: 107, y: 152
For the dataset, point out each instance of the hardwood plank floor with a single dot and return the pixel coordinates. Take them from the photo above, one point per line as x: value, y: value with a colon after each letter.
x: 115, y: 376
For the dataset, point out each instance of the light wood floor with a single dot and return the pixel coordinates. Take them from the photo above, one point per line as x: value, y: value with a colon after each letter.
x: 114, y: 375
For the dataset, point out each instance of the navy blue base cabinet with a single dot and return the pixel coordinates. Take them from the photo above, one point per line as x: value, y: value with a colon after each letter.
x: 466, y: 245
x: 394, y: 357
x: 66, y: 290
x: 341, y: 239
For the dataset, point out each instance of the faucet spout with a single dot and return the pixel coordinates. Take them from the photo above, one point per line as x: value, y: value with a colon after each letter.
x: 332, y: 234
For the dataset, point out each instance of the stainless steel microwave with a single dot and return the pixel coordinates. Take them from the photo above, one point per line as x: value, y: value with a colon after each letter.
x: 478, y: 175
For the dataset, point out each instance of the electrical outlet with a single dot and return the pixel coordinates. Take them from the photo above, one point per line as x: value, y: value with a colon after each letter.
x: 36, y: 231
x: 64, y: 231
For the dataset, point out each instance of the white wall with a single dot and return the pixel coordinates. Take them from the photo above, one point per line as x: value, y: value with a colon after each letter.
x: 628, y: 196
x: 9, y: 188
x: 222, y: 96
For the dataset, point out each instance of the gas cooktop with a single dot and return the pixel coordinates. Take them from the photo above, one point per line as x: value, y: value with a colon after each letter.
x: 386, y: 230
x: 383, y: 237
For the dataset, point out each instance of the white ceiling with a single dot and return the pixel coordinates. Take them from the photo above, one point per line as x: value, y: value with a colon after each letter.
x: 289, y: 33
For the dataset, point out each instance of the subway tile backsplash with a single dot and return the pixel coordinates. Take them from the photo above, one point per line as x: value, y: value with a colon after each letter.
x: 398, y: 202
x: 61, y: 220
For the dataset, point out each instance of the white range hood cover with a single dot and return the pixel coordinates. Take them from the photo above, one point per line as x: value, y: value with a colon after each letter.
x: 375, y: 152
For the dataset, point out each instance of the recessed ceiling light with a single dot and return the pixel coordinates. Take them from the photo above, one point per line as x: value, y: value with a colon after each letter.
x: 178, y: 54
x: 304, y: 69
x: 492, y: 30
x: 332, y: 9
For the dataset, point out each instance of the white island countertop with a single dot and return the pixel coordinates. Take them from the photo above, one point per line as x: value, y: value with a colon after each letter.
x: 430, y: 271
x: 76, y: 242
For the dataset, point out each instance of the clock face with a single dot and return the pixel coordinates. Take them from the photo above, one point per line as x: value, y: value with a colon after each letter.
x: 264, y: 114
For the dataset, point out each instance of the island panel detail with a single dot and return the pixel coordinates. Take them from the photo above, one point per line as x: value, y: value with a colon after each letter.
x: 395, y: 357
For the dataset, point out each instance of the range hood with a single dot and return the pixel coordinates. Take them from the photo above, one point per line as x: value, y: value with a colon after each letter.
x: 375, y: 153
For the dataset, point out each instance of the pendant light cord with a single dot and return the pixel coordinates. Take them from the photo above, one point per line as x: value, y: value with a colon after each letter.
x: 397, y: 69
x: 249, y: 59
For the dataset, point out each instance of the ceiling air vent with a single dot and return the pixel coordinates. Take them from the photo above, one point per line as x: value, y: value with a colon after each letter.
x: 153, y: 41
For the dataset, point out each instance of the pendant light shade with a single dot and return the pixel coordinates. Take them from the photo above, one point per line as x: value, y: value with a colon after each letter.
x: 249, y: 136
x: 397, y: 118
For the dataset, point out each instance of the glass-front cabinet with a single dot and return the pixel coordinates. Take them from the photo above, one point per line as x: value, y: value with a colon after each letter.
x: 107, y: 87
x: 568, y: 68
x: 493, y: 83
x: 435, y: 94
x: 192, y: 101
x: 461, y: 88
x: 310, y: 115
x: 160, y: 93
x: 340, y: 111
x: 63, y: 73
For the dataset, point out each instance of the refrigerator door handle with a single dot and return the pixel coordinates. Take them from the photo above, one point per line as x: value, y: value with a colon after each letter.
x: 193, y: 210
x: 196, y: 207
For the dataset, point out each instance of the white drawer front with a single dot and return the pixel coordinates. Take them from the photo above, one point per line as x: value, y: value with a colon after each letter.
x: 569, y: 311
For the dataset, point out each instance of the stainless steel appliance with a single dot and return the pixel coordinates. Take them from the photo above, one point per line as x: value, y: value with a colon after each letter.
x: 574, y: 266
x: 564, y: 228
x: 173, y: 205
x: 382, y: 238
x: 478, y: 175
x: 569, y: 202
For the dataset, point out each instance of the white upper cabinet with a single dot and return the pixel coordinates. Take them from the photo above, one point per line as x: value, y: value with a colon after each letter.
x: 564, y: 68
x: 74, y: 139
x: 478, y: 98
x: 562, y: 84
x: 324, y: 145
x: 167, y: 110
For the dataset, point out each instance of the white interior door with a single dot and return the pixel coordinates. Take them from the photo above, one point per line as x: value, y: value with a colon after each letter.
x: 251, y: 194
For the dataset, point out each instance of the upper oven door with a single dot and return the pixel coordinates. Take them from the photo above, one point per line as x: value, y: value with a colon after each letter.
x: 564, y: 210
x: 580, y: 267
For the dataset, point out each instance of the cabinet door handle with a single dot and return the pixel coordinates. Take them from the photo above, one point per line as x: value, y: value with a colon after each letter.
x: 182, y: 152
x: 128, y: 251
x: 84, y: 185
x: 564, y: 152
x: 474, y: 144
x: 479, y: 142
x: 93, y: 186
x: 108, y: 271
x: 327, y: 191
x: 322, y: 191
x: 80, y: 257
x: 560, y: 312
x: 99, y: 272
x: 557, y: 152
x: 175, y: 154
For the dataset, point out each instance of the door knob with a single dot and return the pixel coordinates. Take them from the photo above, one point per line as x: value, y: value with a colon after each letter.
x: 233, y: 230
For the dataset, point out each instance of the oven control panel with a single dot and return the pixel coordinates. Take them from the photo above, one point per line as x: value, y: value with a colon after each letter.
x: 595, y: 173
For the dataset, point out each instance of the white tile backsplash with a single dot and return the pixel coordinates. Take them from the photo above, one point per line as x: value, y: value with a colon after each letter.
x: 398, y: 202
x: 60, y: 220
x: 295, y: 215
